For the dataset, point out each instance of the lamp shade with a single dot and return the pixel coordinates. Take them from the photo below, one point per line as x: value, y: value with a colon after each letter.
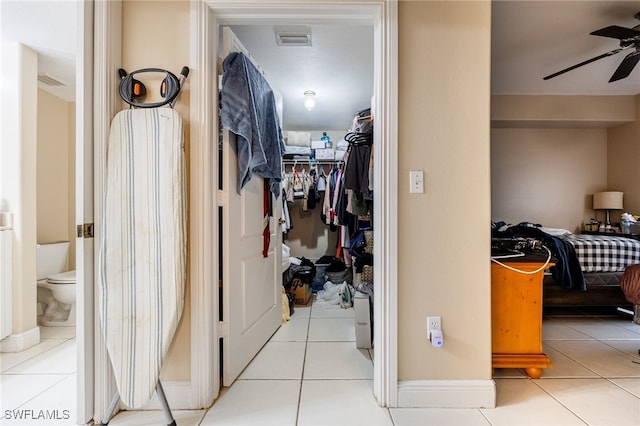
x: 608, y: 200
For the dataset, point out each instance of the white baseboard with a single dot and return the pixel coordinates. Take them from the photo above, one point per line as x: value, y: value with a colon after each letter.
x: 20, y: 342
x: 447, y: 394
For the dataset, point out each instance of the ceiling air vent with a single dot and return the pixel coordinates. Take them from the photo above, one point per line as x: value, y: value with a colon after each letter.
x: 47, y: 79
x: 293, y: 36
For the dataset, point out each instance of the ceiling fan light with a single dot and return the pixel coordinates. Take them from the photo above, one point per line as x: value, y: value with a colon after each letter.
x: 309, y: 99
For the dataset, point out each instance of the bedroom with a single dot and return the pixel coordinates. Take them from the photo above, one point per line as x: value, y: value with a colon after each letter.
x: 556, y: 142
x: 577, y: 132
x: 545, y: 169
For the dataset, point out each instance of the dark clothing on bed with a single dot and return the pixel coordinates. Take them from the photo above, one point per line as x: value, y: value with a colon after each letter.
x: 567, y: 271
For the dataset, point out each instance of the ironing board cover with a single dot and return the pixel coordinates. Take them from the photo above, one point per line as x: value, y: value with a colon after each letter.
x: 142, y: 260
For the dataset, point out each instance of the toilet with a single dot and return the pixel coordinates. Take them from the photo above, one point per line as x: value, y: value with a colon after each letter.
x: 56, y: 287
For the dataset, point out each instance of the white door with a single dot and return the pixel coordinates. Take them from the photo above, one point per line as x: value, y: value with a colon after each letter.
x: 251, y: 284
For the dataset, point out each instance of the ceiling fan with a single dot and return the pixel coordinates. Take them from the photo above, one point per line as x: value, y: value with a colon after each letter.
x: 629, y: 37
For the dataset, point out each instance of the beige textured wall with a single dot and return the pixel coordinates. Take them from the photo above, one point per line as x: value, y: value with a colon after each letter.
x: 18, y: 171
x: 574, y: 145
x: 533, y: 111
x: 443, y: 234
x: 444, y: 130
x: 309, y: 237
x: 56, y: 171
x: 156, y: 34
x: 623, y: 172
x: 547, y: 176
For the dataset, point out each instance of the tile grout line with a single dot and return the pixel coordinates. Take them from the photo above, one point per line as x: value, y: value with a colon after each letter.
x: 304, y: 361
x: 66, y: 375
x: 32, y: 357
x: 560, y: 402
x: 41, y: 354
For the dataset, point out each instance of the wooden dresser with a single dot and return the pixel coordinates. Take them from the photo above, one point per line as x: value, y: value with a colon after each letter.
x: 516, y: 317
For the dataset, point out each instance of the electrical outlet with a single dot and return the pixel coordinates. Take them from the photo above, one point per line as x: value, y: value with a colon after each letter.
x: 434, y: 323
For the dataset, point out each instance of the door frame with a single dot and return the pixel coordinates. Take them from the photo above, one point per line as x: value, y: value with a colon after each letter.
x: 207, y: 16
x: 107, y: 58
x: 85, y: 333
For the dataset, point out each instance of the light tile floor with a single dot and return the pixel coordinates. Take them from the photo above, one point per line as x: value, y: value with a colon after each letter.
x: 38, y: 385
x: 310, y: 373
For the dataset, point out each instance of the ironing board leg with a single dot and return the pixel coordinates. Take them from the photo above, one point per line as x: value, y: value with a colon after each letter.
x: 112, y: 408
x: 163, y: 401
x: 165, y: 405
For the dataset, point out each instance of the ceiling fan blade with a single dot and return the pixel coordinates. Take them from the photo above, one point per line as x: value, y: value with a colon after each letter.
x: 588, y: 61
x: 626, y: 66
x: 614, y: 31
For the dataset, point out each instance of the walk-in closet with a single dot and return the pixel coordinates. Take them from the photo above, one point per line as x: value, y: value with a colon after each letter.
x: 313, y: 209
x: 327, y: 206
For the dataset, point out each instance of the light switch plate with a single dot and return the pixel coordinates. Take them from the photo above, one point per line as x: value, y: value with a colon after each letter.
x: 416, y: 182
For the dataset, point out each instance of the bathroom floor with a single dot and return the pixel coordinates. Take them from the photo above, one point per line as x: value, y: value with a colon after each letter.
x: 310, y: 373
x: 42, y: 377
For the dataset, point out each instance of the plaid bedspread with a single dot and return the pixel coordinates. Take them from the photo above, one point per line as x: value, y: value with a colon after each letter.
x: 601, y: 253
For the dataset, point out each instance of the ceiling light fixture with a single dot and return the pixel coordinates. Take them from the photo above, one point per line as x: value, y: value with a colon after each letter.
x: 309, y: 99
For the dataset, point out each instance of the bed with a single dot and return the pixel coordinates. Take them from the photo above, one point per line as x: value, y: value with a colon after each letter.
x: 588, y: 267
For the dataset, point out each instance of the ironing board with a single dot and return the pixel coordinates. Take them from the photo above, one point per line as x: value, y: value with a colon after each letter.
x: 142, y: 261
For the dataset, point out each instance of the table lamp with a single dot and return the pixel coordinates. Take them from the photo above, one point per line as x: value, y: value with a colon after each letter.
x: 608, y: 200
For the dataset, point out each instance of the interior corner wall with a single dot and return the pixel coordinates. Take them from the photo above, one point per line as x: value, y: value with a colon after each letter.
x: 444, y: 233
x: 54, y: 170
x: 623, y: 158
x: 157, y: 34
x: 547, y: 176
x: 18, y: 171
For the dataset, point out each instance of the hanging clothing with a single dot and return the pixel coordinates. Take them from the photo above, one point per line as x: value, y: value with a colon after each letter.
x: 356, y: 175
x: 337, y: 197
x: 286, y: 223
x: 248, y: 109
x: 328, y: 196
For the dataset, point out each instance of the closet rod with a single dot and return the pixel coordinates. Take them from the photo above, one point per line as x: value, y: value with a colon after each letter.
x: 311, y: 162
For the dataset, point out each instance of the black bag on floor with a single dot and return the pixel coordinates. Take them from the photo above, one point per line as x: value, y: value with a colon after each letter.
x: 337, y: 272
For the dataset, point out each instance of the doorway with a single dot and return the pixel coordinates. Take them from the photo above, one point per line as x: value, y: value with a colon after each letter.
x: 383, y: 16
x: 206, y: 18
